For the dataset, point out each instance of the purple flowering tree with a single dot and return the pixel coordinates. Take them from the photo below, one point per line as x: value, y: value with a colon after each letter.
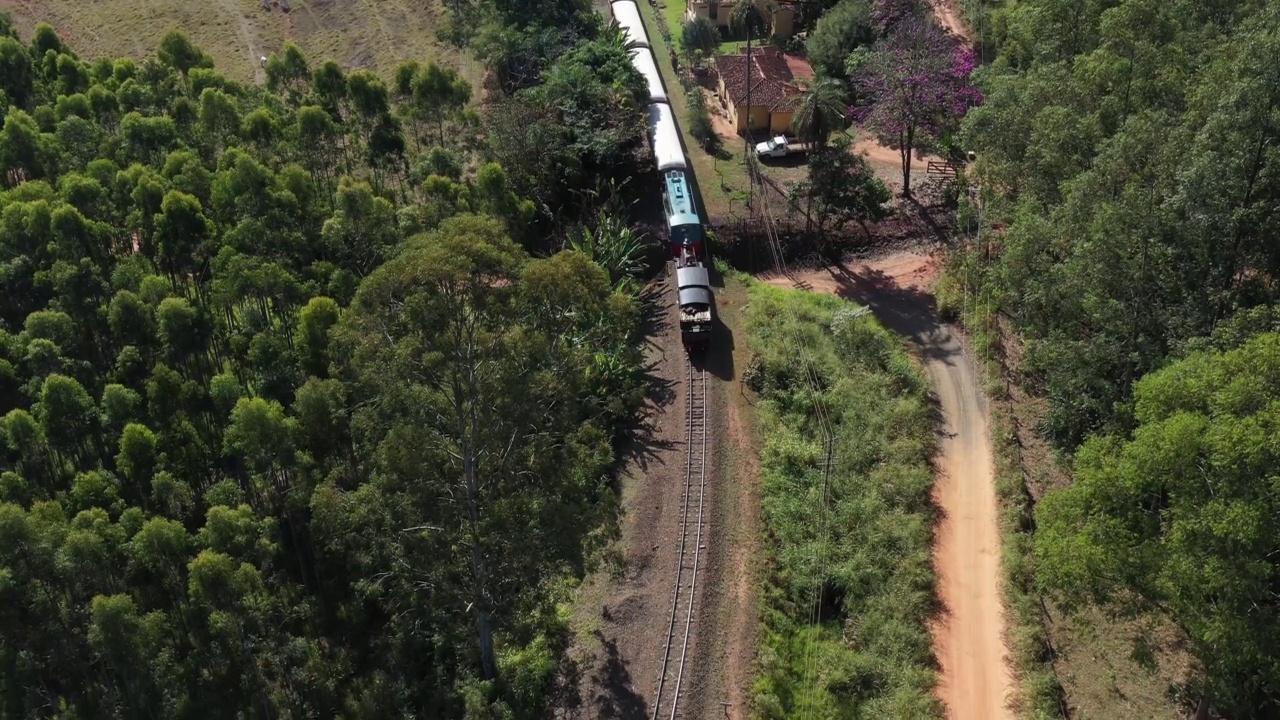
x: 913, y: 88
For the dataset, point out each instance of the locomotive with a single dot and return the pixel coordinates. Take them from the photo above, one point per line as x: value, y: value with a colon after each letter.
x: 686, y: 235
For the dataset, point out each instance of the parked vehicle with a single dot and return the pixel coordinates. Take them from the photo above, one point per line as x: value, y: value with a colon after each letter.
x: 775, y: 147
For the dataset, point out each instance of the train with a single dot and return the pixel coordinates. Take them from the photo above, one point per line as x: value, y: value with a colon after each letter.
x: 686, y: 232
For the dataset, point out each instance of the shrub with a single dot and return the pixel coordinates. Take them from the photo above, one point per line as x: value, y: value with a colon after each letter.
x: 850, y: 588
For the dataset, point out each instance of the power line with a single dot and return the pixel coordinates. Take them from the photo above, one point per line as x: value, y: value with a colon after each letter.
x: 822, y: 415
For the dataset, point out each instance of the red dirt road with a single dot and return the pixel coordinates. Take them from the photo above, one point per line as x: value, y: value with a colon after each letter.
x: 945, y: 11
x: 975, y: 682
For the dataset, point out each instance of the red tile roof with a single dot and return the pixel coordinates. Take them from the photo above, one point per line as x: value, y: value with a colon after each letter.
x: 773, y: 83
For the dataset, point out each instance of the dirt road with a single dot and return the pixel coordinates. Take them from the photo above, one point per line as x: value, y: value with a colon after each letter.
x: 945, y: 11
x: 974, y: 681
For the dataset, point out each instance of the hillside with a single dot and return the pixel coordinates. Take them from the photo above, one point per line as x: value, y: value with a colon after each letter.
x: 236, y: 33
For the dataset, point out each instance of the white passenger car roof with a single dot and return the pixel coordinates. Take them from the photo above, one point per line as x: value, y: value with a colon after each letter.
x: 665, y: 138
x: 628, y: 16
x: 644, y: 62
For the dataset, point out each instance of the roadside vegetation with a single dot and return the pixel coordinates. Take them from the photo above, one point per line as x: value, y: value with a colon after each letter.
x: 304, y: 411
x: 847, y: 521
x: 1126, y: 176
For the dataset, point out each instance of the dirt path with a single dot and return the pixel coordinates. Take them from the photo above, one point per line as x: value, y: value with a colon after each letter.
x: 621, y: 617
x: 248, y: 36
x: 975, y: 682
x: 945, y: 11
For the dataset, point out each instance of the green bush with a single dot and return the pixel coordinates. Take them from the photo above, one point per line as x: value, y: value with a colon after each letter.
x: 700, y: 121
x: 851, y: 586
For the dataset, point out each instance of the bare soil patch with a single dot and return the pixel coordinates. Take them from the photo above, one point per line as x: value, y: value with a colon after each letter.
x: 887, y: 162
x: 975, y: 679
x: 741, y: 620
x: 949, y: 17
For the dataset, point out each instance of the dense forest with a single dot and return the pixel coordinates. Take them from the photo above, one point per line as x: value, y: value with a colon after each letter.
x: 1129, y: 172
x: 308, y: 393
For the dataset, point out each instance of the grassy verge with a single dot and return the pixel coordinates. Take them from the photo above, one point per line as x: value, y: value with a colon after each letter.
x: 849, y: 585
x: 673, y: 13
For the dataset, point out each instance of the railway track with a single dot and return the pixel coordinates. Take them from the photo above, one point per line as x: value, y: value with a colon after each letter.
x: 666, y: 703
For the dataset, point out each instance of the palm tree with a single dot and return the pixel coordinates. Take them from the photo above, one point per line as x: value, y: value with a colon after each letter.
x: 820, y: 113
x: 613, y: 245
x: 821, y: 110
x: 745, y: 17
x: 613, y: 33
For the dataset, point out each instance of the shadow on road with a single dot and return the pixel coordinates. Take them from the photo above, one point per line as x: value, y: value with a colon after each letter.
x: 909, y: 312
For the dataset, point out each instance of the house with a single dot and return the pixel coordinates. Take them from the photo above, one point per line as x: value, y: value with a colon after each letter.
x: 783, y: 22
x: 775, y: 93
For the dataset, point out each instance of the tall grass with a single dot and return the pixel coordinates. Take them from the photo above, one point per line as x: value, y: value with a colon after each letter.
x: 849, y: 582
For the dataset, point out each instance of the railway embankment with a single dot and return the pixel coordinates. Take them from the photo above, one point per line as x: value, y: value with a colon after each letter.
x: 650, y: 626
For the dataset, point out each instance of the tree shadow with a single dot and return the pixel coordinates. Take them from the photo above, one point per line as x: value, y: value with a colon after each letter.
x: 654, y: 318
x: 644, y: 444
x: 617, y: 698
x: 925, y: 214
x: 908, y: 312
x: 793, y: 159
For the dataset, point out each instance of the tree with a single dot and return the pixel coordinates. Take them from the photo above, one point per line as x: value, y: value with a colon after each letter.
x: 119, y: 406
x: 67, y: 414
x: 148, y: 138
x: 218, y: 116
x: 466, y: 268
x: 821, y: 111
x: 1180, y: 519
x: 289, y: 73
x: 17, y: 76
x: 360, y: 234
x: 137, y: 457
x: 839, y: 31
x: 259, y: 433
x: 599, y: 95
x: 494, y: 197
x: 842, y: 186
x: 438, y: 93
x: 312, y: 336
x: 700, y: 125
x: 434, y: 332
x: 19, y: 148
x: 182, y: 231
x: 913, y: 88
x: 177, y: 52
x: 699, y: 39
